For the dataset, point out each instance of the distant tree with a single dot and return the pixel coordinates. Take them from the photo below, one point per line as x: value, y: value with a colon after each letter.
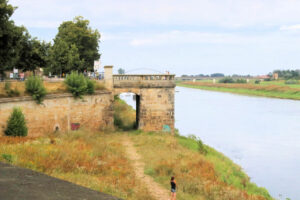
x: 64, y: 58
x: 287, y: 74
x: 226, y: 80
x: 77, y: 36
x: 31, y: 53
x: 10, y: 35
x: 121, y: 71
x: 217, y: 75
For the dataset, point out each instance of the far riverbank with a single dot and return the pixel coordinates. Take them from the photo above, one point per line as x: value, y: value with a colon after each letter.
x: 272, y: 89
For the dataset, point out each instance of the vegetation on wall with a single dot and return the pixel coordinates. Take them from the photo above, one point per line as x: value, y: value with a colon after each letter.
x: 79, y: 85
x: 16, y: 124
x: 35, y: 87
x: 11, y: 92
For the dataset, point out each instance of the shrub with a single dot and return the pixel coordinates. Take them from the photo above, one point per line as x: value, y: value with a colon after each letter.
x: 10, y: 92
x: 91, y: 85
x: 201, y: 147
x: 241, y: 80
x: 226, y: 80
x: 35, y: 87
x: 76, y: 84
x: 16, y: 124
x: 267, y: 79
x: 291, y: 81
x: 7, y: 157
x: 257, y: 82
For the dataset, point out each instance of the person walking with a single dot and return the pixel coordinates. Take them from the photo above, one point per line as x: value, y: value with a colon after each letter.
x: 173, y: 188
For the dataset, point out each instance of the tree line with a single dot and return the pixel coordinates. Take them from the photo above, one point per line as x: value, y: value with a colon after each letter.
x: 74, y: 48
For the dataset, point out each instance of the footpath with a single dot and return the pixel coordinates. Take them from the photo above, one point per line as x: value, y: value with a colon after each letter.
x: 156, y: 190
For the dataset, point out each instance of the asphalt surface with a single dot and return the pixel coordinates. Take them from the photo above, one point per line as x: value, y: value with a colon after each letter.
x: 23, y: 184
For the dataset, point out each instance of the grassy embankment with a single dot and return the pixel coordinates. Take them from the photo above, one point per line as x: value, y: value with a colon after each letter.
x: 51, y: 87
x: 274, y: 89
x: 98, y: 161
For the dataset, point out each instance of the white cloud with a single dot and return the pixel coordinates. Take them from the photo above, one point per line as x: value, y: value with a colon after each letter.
x: 295, y: 27
x: 193, y: 37
x: 230, y: 13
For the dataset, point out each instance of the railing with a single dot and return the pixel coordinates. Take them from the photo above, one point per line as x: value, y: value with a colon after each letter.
x: 142, y: 77
x: 144, y: 80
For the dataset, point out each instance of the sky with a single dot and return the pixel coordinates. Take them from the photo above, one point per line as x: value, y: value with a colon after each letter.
x: 182, y: 37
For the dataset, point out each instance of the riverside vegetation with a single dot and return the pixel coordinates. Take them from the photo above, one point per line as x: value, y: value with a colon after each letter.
x: 97, y: 160
x: 275, y: 89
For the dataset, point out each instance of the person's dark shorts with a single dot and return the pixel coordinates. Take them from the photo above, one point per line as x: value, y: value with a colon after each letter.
x: 173, y: 190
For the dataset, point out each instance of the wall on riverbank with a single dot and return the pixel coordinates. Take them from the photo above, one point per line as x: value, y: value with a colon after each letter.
x: 155, y: 107
x: 61, y: 111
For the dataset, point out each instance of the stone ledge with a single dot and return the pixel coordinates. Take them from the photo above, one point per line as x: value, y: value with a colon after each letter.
x: 49, y: 96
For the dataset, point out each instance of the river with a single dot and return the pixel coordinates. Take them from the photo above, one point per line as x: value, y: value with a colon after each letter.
x: 262, y: 135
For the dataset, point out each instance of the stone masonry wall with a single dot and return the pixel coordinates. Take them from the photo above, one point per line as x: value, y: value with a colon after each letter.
x: 93, y: 112
x: 156, y: 109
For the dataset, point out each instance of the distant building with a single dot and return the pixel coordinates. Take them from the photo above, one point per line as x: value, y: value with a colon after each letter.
x: 97, y: 66
x: 275, y: 76
x: 262, y: 77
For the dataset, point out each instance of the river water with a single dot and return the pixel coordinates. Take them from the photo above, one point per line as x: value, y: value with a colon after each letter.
x: 262, y: 135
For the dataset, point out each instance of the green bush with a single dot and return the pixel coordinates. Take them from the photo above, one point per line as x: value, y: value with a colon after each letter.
x: 91, y: 85
x: 76, y: 84
x: 10, y: 92
x: 226, y: 80
x: 35, y: 87
x: 291, y: 81
x: 241, y: 80
x: 16, y: 124
x: 267, y: 79
x: 257, y: 82
x: 201, y: 147
x: 7, y: 157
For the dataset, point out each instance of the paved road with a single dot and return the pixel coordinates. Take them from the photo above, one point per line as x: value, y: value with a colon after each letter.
x: 23, y: 184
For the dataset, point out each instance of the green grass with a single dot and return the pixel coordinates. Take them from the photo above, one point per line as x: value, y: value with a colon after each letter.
x: 251, y: 92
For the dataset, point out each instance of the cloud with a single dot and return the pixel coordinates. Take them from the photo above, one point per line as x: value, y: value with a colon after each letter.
x: 226, y: 13
x: 295, y: 27
x: 193, y: 37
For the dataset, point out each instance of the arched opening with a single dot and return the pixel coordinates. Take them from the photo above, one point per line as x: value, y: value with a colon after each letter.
x: 126, y: 111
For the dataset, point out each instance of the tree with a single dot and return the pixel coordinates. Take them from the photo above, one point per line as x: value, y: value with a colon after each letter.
x: 10, y: 36
x: 86, y: 40
x: 16, y: 124
x: 64, y: 58
x: 31, y: 53
x: 121, y: 71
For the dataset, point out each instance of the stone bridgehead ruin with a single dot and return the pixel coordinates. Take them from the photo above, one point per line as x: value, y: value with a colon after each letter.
x: 61, y: 112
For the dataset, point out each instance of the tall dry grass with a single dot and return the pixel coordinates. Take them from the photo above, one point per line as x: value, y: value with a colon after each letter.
x: 93, y: 160
x: 196, y: 174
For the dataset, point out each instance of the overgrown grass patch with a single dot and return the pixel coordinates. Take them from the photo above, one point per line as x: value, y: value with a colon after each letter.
x: 199, y: 176
x: 93, y: 160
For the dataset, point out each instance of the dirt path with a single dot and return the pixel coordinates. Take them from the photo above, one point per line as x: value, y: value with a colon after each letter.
x: 157, y: 191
